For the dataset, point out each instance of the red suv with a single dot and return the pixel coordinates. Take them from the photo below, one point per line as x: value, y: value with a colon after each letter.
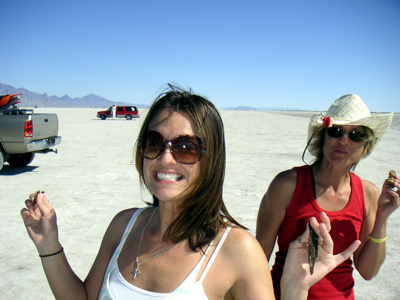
x: 127, y: 112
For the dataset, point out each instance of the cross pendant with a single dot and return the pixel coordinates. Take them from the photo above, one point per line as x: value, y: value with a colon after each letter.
x: 135, y: 272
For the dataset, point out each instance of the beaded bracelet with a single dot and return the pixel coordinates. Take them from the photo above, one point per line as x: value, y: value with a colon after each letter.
x: 377, y: 241
x: 55, y: 253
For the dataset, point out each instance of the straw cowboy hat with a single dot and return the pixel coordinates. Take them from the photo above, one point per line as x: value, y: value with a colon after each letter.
x: 351, y: 110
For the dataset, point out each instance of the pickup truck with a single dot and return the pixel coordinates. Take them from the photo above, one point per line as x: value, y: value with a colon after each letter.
x: 24, y: 133
x: 127, y: 112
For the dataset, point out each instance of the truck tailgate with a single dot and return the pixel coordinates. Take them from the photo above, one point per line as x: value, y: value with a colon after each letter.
x: 44, y: 126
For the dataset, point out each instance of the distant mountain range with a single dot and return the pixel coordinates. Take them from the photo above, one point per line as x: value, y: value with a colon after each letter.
x: 32, y: 99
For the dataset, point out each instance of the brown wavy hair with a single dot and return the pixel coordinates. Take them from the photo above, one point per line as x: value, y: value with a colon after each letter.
x: 203, y: 211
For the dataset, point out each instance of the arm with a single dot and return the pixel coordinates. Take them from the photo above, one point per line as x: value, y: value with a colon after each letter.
x: 40, y: 222
x: 272, y: 209
x: 370, y: 256
x: 297, y: 279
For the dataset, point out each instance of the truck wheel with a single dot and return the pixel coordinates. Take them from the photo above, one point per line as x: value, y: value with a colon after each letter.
x: 2, y: 156
x: 103, y: 117
x: 21, y: 160
x: 128, y: 117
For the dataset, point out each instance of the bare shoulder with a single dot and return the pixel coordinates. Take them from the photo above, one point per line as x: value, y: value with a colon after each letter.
x: 123, y: 217
x: 240, y: 245
x: 247, y: 266
x: 371, y: 195
x: 283, y: 184
x: 118, y: 224
x: 281, y: 190
x: 285, y: 178
x: 370, y: 189
x: 238, y: 236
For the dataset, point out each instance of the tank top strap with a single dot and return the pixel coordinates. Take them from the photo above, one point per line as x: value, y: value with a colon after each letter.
x: 191, y: 278
x: 303, y: 193
x: 210, y: 262
x: 357, y: 193
x: 128, y: 230
x: 105, y: 288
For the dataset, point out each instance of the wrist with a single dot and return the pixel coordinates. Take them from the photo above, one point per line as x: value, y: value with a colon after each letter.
x: 292, y: 290
x: 381, y: 216
x: 377, y: 240
x: 379, y: 229
x: 293, y: 293
x: 47, y: 249
x: 52, y: 254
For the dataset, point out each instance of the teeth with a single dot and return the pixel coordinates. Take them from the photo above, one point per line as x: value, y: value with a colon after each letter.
x: 169, y: 176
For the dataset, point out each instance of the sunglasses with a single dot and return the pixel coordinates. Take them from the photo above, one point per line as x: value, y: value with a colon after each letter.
x: 185, y: 149
x: 354, y: 135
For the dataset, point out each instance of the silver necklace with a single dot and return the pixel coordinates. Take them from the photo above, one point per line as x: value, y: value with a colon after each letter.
x: 135, y: 270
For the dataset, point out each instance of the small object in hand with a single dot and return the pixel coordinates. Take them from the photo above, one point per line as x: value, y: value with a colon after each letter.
x: 312, y: 248
x: 390, y: 181
x: 33, y: 196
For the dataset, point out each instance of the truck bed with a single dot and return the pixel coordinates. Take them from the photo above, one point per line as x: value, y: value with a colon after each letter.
x: 12, y: 129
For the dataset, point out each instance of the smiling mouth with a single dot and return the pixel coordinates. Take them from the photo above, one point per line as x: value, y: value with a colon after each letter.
x: 169, y: 176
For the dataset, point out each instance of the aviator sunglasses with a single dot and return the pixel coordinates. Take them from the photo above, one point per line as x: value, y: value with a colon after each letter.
x: 185, y: 149
x: 354, y: 135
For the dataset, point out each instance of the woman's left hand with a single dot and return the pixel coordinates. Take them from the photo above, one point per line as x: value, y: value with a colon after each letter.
x: 296, y: 274
x: 389, y: 200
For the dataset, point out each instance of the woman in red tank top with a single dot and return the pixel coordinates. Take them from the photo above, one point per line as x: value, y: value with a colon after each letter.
x: 356, y: 209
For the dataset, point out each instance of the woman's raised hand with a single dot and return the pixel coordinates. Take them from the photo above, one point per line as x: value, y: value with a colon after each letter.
x: 41, y: 223
x: 389, y: 199
x: 297, y: 278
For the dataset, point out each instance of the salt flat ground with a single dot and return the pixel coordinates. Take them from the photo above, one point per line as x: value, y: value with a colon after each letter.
x: 93, y: 177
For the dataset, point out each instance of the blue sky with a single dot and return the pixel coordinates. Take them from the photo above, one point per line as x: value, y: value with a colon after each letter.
x: 290, y: 54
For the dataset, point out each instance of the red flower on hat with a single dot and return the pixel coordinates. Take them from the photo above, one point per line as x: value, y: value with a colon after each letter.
x: 327, y: 121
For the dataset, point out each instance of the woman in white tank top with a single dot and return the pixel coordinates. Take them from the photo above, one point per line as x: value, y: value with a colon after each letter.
x: 185, y: 244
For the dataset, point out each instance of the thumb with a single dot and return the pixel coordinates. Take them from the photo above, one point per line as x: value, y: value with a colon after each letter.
x: 341, y: 257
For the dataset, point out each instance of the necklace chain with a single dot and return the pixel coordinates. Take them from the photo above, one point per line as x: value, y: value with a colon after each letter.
x: 135, y: 270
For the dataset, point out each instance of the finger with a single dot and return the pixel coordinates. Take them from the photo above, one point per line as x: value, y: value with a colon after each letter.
x: 341, y: 257
x: 28, y: 203
x: 32, y: 209
x: 396, y: 197
x: 43, y: 203
x: 28, y: 218
x: 315, y: 225
x: 24, y: 213
x: 327, y: 239
x: 395, y: 184
x: 325, y: 219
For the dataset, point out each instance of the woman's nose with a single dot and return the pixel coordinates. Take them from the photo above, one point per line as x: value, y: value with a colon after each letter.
x: 345, y: 138
x: 166, y: 155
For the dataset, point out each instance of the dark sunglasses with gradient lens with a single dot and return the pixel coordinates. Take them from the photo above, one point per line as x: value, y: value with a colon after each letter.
x: 354, y: 135
x: 185, y: 149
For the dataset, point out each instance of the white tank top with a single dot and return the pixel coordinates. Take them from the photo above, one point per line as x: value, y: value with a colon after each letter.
x: 116, y: 287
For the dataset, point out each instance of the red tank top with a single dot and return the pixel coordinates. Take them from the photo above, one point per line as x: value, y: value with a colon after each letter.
x: 345, y: 229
